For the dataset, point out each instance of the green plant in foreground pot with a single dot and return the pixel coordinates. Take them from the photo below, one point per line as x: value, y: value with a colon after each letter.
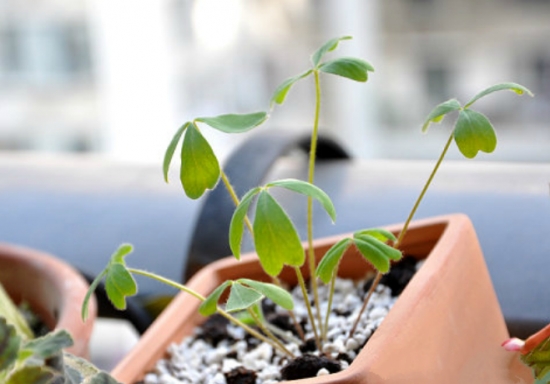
x: 39, y: 360
x: 275, y: 238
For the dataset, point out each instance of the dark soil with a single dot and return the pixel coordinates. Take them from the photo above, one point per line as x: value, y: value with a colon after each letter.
x: 240, y: 375
x: 307, y: 366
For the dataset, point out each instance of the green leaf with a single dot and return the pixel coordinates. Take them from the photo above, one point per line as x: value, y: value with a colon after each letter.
x: 50, y: 344
x: 236, y: 226
x: 277, y: 294
x: 9, y: 345
x: 171, y: 149
x: 378, y: 233
x: 375, y: 251
x: 122, y: 251
x: 378, y: 240
x: 517, y: 88
x: 200, y: 169
x: 328, y: 264
x: 348, y: 67
x: 276, y: 240
x: 235, y: 123
x: 329, y: 46
x: 309, y: 190
x: 473, y: 133
x: 119, y: 284
x: 35, y: 375
x: 280, y: 93
x: 241, y: 297
x: 439, y: 112
x: 210, y: 305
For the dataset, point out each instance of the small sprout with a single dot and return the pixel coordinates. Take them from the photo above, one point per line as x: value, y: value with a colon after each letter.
x: 329, y: 46
x: 119, y: 282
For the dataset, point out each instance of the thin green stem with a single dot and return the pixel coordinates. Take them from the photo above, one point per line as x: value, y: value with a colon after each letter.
x: 297, y: 325
x: 311, y: 179
x: 197, y: 295
x: 235, y: 198
x: 302, y: 284
x: 403, y: 232
x: 329, y: 307
x: 268, y: 332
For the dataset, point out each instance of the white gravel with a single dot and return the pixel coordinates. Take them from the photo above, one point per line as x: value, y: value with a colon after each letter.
x: 194, y: 361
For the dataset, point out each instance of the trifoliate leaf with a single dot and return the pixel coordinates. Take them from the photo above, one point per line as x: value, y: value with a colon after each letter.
x: 329, y: 46
x: 234, y: 123
x: 309, y: 190
x: 171, y: 149
x: 439, y: 112
x: 517, y: 88
x: 200, y: 169
x: 329, y: 263
x: 275, y: 237
x: 348, y: 67
x: 473, y: 133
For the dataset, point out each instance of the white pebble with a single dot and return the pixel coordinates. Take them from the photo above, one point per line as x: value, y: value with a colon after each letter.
x: 323, y: 372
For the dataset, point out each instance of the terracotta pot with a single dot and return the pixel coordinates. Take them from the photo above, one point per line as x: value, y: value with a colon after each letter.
x: 446, y: 327
x: 53, y: 289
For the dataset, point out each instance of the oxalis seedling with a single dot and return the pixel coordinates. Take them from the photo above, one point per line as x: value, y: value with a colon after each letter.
x: 275, y: 237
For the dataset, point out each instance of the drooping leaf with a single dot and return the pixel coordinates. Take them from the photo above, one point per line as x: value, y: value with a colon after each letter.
x: 368, y: 248
x: 276, y: 240
x: 277, y: 294
x: 210, y: 305
x: 171, y: 149
x: 48, y: 345
x: 378, y: 240
x: 280, y: 93
x: 9, y: 345
x: 378, y: 233
x: 439, y: 112
x: 329, y: 46
x: 473, y: 133
x: 241, y: 297
x: 235, y: 123
x: 329, y: 263
x: 236, y: 226
x: 517, y: 88
x: 119, y: 282
x: 200, y: 169
x: 309, y: 190
x: 348, y: 67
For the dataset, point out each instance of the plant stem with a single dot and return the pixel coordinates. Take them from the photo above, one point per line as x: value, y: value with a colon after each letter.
x: 329, y: 307
x: 297, y: 325
x: 311, y: 178
x: 403, y: 232
x: 197, y: 295
x: 302, y: 284
x: 268, y: 332
x: 235, y: 198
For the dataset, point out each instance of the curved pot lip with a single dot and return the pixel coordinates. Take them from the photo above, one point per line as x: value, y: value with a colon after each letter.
x: 70, y: 289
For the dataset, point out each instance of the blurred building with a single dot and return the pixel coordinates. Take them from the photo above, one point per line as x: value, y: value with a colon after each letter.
x: 119, y: 76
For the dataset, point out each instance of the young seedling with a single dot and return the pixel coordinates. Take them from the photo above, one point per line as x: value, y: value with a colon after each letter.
x: 472, y: 132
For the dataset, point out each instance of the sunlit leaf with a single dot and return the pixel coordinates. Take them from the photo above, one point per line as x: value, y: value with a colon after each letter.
x: 277, y: 294
x: 329, y: 263
x: 200, y: 169
x: 439, y: 112
x: 473, y: 133
x: 171, y: 149
x: 236, y: 226
x: 329, y: 46
x: 241, y: 297
x: 276, y: 240
x: 234, y: 123
x: 210, y: 305
x: 280, y: 93
x: 517, y: 88
x: 309, y: 190
x: 348, y: 67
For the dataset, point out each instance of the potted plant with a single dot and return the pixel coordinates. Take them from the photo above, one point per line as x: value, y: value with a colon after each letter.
x: 27, y: 359
x: 52, y: 289
x: 426, y: 335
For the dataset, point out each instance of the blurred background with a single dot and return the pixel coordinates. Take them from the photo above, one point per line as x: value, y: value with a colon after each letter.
x: 118, y: 77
